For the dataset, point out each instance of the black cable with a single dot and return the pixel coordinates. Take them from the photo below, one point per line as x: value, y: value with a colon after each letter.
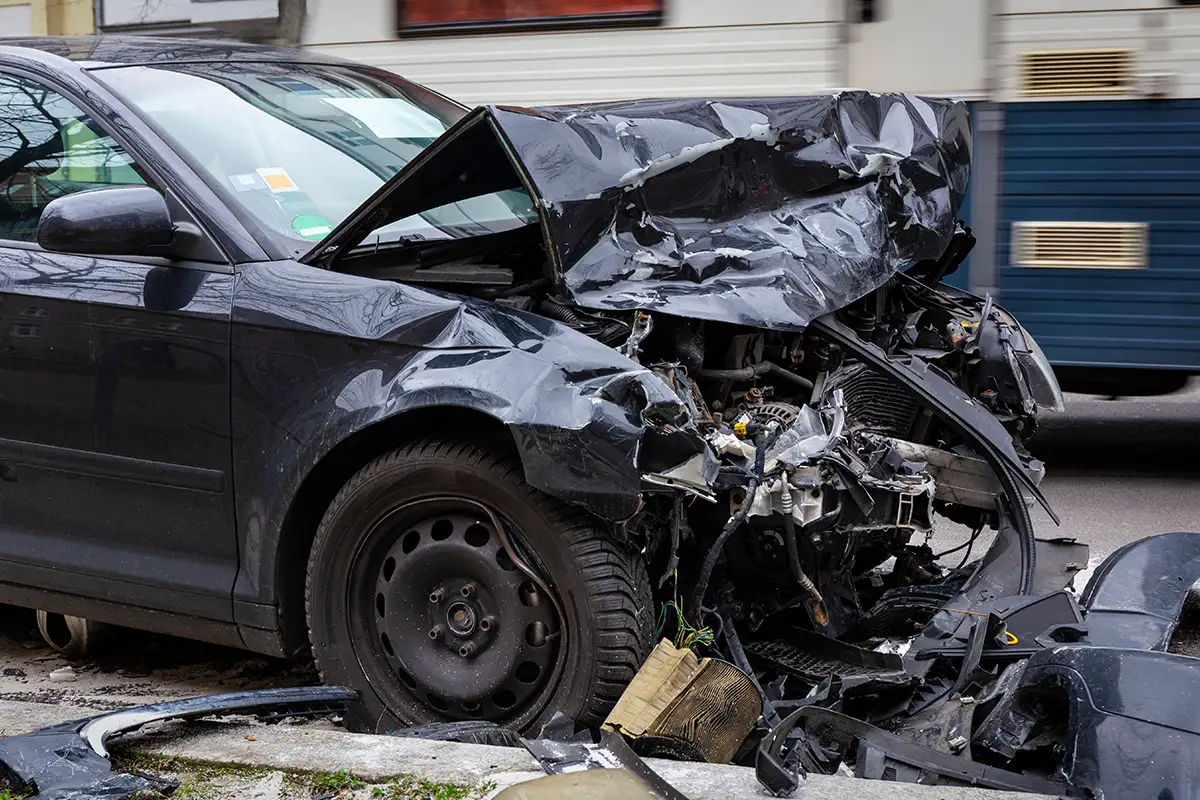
x: 974, y: 535
x: 762, y: 444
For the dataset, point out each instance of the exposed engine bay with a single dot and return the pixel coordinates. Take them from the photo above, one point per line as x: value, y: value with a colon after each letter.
x: 815, y: 500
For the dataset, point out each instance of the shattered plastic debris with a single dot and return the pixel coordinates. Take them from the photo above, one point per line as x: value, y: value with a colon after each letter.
x: 70, y: 761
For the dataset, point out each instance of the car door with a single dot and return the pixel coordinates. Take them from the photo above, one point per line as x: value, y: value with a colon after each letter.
x: 114, y: 390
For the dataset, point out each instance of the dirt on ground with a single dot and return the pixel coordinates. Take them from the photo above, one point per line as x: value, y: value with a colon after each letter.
x: 132, y: 669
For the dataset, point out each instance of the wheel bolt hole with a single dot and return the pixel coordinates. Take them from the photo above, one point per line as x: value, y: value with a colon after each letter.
x: 535, y: 634
x: 530, y: 596
x: 437, y: 702
x: 468, y: 590
x: 528, y: 672
x: 410, y: 542
x: 441, y: 530
x: 389, y: 566
x: 485, y: 624
x: 435, y: 596
x: 435, y: 632
x: 504, y: 698
x: 504, y: 561
x: 467, y: 650
x: 477, y: 536
x: 379, y: 604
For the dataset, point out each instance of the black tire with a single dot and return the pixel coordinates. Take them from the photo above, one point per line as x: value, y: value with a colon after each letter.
x: 600, y: 584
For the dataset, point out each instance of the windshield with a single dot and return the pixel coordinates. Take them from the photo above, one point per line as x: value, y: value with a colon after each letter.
x: 300, y: 146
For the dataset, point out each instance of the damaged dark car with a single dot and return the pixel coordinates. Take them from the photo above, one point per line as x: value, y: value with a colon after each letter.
x: 479, y: 405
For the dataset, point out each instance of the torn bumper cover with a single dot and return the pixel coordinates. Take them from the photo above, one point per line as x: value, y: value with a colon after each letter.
x: 1049, y: 696
x: 70, y: 761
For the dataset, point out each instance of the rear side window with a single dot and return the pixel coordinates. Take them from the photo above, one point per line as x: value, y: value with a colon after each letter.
x: 50, y: 148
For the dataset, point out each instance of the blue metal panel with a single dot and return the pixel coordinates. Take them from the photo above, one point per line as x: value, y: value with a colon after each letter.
x: 1118, y: 161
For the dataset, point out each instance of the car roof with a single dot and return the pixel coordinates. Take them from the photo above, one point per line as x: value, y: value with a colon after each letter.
x: 98, y: 52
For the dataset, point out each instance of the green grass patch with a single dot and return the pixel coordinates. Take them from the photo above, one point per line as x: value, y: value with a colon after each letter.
x: 410, y: 788
x: 202, y: 780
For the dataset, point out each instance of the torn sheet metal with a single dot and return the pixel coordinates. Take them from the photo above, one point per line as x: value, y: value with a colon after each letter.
x: 579, y: 411
x: 1134, y: 597
x: 766, y: 213
x: 70, y: 761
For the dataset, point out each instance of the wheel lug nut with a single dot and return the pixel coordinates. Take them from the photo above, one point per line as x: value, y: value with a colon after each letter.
x: 468, y: 590
x: 435, y: 596
x: 435, y: 632
x: 486, y: 623
x: 467, y: 650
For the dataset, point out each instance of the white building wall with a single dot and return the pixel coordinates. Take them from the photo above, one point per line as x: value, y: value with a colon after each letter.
x: 707, y: 48
x: 924, y: 46
x: 1165, y: 38
x: 16, y: 20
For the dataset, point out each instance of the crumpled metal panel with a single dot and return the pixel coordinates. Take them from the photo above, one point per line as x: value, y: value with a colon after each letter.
x: 767, y: 213
x: 577, y: 409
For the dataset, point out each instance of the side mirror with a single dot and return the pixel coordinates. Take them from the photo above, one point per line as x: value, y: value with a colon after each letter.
x: 117, y: 221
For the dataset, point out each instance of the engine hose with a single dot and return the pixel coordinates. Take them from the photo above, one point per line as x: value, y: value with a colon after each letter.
x: 788, y: 375
x: 745, y: 374
x: 563, y: 313
x: 714, y: 552
x: 762, y: 444
x: 819, y: 612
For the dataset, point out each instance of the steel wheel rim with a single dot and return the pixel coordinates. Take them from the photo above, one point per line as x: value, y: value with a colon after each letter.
x: 443, y: 623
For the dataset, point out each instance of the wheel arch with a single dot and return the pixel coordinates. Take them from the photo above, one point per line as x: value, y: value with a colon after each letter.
x: 318, y: 488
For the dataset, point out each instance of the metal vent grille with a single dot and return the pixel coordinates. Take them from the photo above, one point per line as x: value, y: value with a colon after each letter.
x: 1056, y: 73
x: 1080, y: 245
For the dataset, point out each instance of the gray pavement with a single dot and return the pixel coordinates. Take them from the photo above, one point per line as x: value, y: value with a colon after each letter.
x: 376, y: 760
x: 1116, y: 471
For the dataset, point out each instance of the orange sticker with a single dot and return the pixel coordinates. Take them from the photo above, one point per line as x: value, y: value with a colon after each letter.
x: 278, y: 180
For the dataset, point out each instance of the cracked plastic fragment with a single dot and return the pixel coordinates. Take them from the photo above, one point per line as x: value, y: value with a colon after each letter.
x: 70, y: 761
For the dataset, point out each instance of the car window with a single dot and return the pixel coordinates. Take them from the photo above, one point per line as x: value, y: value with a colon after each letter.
x: 301, y: 146
x: 50, y: 148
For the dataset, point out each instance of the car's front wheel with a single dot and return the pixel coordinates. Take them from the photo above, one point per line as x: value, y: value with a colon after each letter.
x: 444, y: 587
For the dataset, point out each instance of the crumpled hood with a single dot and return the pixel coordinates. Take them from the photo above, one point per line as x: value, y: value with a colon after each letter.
x: 768, y: 213
x: 762, y: 212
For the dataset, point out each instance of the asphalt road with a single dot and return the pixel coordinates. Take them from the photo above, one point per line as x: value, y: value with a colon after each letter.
x: 1117, y: 470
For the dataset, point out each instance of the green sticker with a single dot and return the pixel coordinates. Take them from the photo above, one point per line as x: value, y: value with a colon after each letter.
x: 311, y: 227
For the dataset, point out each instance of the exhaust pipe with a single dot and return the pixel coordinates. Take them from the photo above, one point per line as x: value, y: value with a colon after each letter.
x: 74, y: 637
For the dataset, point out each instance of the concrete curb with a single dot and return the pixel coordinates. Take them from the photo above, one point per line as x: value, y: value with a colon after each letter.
x: 320, y: 747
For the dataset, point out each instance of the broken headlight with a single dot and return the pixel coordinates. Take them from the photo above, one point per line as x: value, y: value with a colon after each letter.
x: 1039, y: 375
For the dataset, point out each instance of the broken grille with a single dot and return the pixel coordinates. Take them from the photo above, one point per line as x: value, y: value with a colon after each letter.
x: 1080, y: 245
x: 1057, y: 73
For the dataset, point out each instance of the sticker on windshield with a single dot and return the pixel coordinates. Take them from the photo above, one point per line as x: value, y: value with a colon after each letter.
x: 278, y: 180
x: 247, y: 182
x: 311, y: 227
x: 390, y: 117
